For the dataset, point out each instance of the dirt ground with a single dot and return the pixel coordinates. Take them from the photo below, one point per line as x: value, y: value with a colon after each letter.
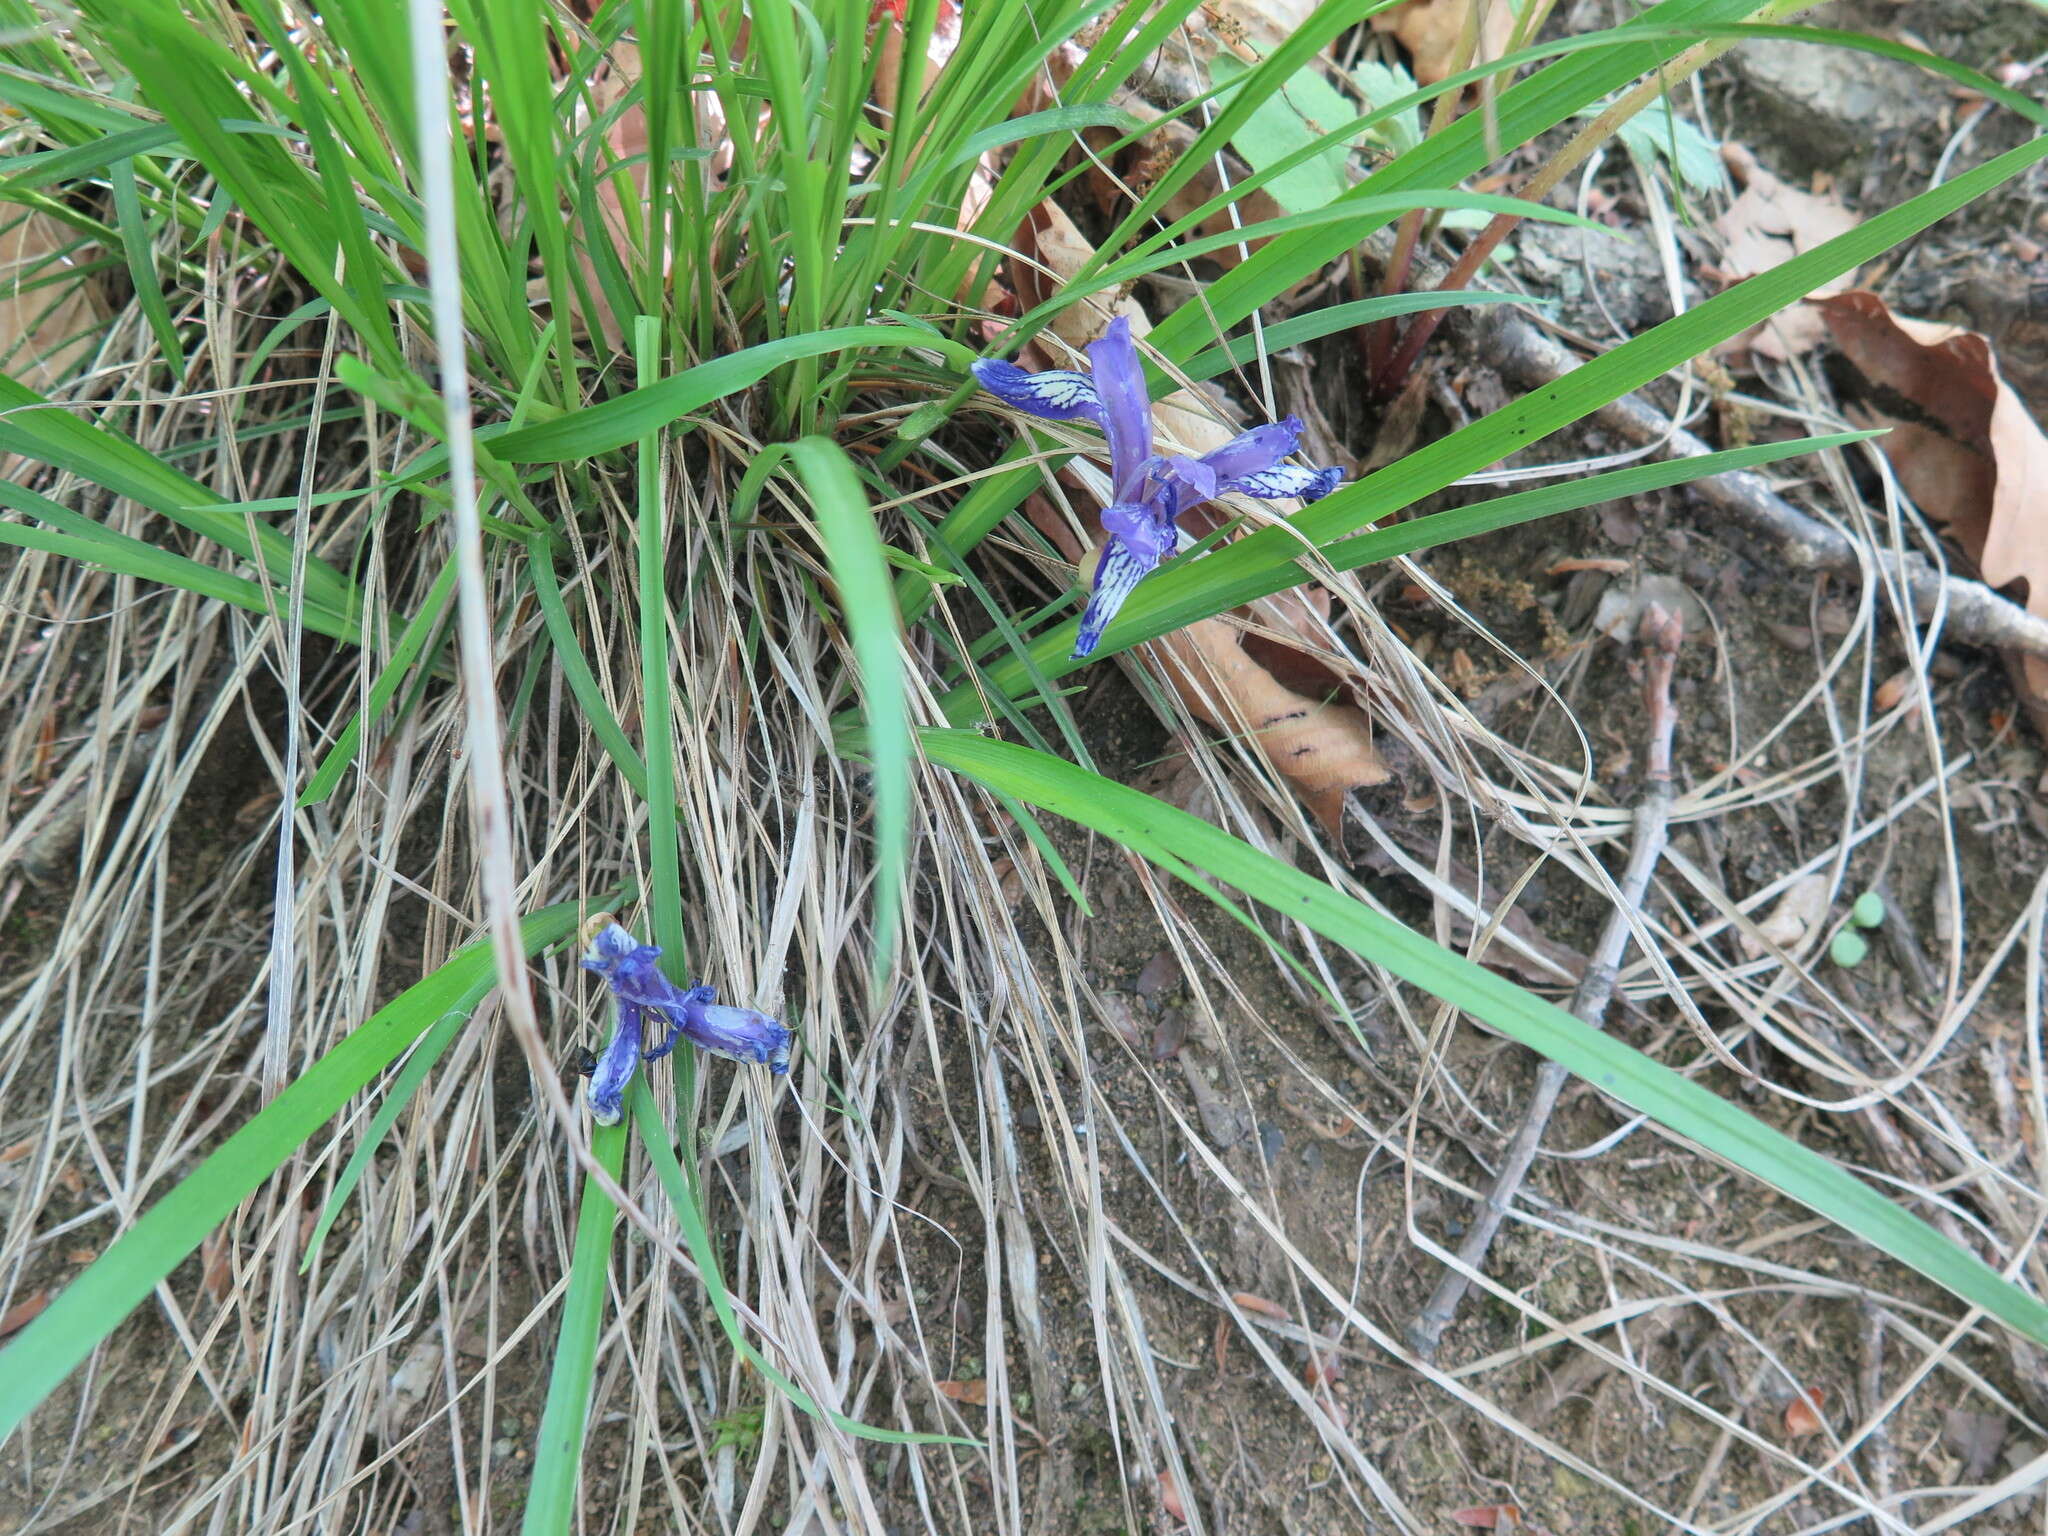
x: 1322, y: 1120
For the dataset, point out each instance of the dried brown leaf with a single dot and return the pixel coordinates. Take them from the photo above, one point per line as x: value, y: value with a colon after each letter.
x: 1802, y: 1414
x: 1765, y: 227
x: 975, y: 1392
x: 1800, y: 913
x: 1433, y: 32
x: 22, y: 1313
x: 1487, y: 1517
x: 46, y: 327
x: 1984, y: 474
x: 1259, y: 1304
x: 1170, y: 1499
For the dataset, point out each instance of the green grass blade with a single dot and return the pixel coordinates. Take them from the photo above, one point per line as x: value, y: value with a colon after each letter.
x: 583, y: 685
x: 1187, y: 592
x: 657, y: 685
x: 396, y: 1097
x: 558, y: 1450
x: 614, y: 423
x: 132, y: 557
x: 1444, y: 159
x: 1319, y: 323
x: 140, y: 252
x: 867, y: 600
x: 35, y: 428
x: 120, y: 1279
x: 411, y: 640
x: 1183, y: 844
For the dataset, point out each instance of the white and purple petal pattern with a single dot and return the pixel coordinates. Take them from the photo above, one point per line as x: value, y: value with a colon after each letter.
x: 1149, y: 491
x: 1054, y: 394
x: 1117, y: 574
x: 1285, y: 480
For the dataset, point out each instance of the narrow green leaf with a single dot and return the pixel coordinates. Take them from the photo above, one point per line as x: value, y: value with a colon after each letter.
x: 656, y: 1141
x: 860, y: 567
x: 1183, y: 844
x: 551, y: 1501
x: 411, y: 640
x: 614, y: 423
x: 120, y: 1279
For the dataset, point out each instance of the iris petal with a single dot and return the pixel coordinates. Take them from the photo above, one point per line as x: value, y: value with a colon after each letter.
x: 1116, y: 575
x: 1142, y: 528
x: 738, y: 1034
x: 1126, y: 407
x: 1285, y: 480
x: 1057, y: 394
x: 615, y: 1068
x: 1254, y: 450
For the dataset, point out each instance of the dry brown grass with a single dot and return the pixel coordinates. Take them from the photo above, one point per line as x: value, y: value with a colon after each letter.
x: 973, y: 1177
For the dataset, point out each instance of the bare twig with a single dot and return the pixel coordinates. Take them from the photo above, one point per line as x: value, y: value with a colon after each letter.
x: 1660, y: 634
x: 1975, y: 613
x: 1870, y: 1381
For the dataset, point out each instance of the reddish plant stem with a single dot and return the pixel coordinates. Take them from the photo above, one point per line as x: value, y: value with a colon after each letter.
x: 1387, y: 380
x: 1379, y: 336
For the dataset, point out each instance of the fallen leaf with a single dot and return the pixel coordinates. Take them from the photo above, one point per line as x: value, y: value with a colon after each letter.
x: 975, y: 1392
x: 1487, y: 1517
x: 1893, y: 689
x: 1765, y: 227
x: 22, y: 1313
x: 1984, y: 475
x: 1260, y: 1305
x: 1169, y: 1035
x: 1161, y: 973
x: 1977, y: 1438
x: 49, y: 321
x: 1170, y: 1500
x: 1433, y: 32
x: 217, y: 1272
x: 1323, y: 745
x: 1802, y: 1414
x: 1800, y: 912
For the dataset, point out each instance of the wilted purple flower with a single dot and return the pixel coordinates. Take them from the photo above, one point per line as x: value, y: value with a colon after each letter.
x: 1149, y: 490
x: 693, y: 1014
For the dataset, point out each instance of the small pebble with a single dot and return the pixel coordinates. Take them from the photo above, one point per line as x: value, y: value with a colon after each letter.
x: 1848, y: 949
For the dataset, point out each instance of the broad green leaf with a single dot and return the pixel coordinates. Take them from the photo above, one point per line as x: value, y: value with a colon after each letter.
x: 1299, y: 113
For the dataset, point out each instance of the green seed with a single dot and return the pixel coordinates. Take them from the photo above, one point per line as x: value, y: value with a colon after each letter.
x: 1868, y: 911
x: 1848, y: 949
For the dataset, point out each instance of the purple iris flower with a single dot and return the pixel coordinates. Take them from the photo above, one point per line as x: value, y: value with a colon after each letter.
x: 693, y: 1014
x: 1151, y: 490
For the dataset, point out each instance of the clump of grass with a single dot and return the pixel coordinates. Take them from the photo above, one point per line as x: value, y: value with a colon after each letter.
x: 640, y: 348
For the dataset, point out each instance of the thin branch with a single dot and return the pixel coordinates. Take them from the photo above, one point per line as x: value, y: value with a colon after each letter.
x: 1973, y: 612
x: 1660, y: 634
